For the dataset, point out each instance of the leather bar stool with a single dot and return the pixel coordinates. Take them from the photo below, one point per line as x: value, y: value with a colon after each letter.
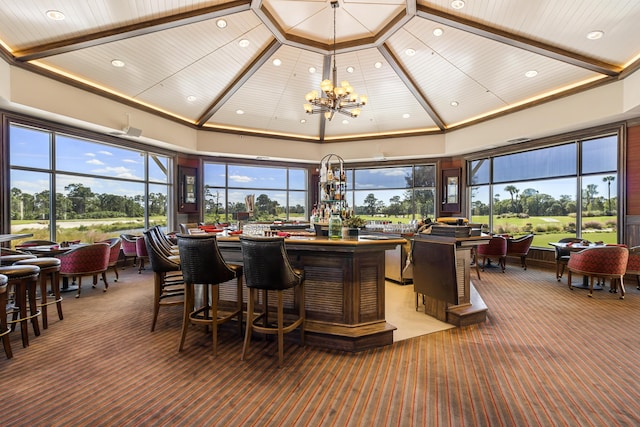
x: 4, y: 329
x: 49, y: 271
x: 203, y: 264
x: 11, y: 259
x: 267, y: 268
x: 24, y: 280
x: 168, y: 284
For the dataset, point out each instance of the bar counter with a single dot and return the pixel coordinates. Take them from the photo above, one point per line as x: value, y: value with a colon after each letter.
x: 344, y: 289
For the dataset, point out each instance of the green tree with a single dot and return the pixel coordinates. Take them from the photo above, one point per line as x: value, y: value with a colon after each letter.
x: 370, y: 203
x: 513, y: 192
x: 609, y: 179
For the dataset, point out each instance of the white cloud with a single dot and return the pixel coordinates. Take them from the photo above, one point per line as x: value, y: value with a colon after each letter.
x: 90, y: 154
x: 106, y: 153
x: 240, y: 178
x: 94, y: 162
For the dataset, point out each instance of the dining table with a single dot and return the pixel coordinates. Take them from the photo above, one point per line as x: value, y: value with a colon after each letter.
x: 16, y: 236
x: 577, y: 247
x: 52, y: 251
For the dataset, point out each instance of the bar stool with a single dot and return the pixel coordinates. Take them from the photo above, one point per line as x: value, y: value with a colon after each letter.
x: 202, y: 264
x: 24, y: 279
x: 267, y: 268
x: 11, y: 259
x: 49, y: 269
x: 168, y: 284
x: 4, y: 329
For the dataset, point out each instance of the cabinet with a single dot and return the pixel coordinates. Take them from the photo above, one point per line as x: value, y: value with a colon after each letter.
x: 332, y: 189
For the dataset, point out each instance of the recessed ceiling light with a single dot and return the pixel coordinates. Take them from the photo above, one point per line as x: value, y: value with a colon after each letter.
x: 239, y: 112
x: 55, y: 15
x: 312, y: 70
x: 457, y: 4
x: 410, y: 52
x: 221, y: 23
x: 378, y: 64
x: 345, y: 122
x: 454, y: 103
x: 243, y: 43
x: 277, y: 62
x: 531, y: 73
x: 438, y: 32
x: 595, y: 35
x: 406, y: 115
x: 191, y: 98
x: 350, y: 69
x: 303, y: 121
x: 117, y: 63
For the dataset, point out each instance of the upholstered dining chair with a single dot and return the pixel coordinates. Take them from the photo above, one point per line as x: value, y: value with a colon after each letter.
x: 496, y: 249
x: 168, y: 283
x: 142, y: 253
x: 115, y: 243
x: 267, y: 268
x: 86, y: 260
x: 129, y: 247
x: 520, y: 248
x: 202, y: 264
x: 606, y: 262
x: 562, y: 255
x: 633, y: 264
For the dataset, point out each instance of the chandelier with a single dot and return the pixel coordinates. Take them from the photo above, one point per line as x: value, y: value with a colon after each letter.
x: 337, y: 99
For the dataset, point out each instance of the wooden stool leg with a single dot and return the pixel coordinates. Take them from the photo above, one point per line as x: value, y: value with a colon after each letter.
x: 188, y: 308
x: 43, y: 298
x: 33, y: 306
x: 280, y: 329
x: 55, y: 289
x: 214, y: 317
x: 247, y: 334
x: 4, y: 329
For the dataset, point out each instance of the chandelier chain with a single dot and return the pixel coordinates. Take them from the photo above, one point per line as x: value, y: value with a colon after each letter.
x: 337, y: 98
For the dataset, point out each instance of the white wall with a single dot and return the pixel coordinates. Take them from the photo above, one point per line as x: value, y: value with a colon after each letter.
x: 54, y: 100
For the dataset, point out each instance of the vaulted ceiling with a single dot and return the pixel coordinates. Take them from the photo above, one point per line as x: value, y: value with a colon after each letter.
x: 425, y: 66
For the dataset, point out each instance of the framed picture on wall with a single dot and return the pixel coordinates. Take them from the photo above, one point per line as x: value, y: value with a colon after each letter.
x: 451, y: 190
x: 188, y: 196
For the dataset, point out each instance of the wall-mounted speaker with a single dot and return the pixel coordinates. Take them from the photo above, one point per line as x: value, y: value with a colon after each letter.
x: 131, y: 131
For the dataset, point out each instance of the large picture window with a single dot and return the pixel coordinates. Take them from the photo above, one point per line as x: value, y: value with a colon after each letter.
x: 397, y: 194
x: 235, y: 191
x: 68, y: 188
x: 566, y: 190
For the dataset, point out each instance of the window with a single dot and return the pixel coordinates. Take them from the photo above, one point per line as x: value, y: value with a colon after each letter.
x: 397, y: 194
x: 101, y: 190
x: 233, y: 191
x: 565, y: 190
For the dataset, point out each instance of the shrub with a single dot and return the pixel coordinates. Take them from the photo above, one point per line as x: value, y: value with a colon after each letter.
x: 593, y: 225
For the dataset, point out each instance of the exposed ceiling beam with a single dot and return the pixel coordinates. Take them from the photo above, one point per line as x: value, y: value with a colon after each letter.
x: 133, y: 30
x: 514, y: 40
x: 412, y: 86
x: 239, y: 81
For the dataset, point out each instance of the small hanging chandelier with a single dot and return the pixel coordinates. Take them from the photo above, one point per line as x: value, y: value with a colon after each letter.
x: 337, y: 99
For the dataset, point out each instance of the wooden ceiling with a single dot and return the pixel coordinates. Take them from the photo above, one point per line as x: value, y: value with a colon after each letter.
x: 179, y: 63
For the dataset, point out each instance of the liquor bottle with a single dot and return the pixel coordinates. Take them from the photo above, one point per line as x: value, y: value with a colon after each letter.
x: 335, y: 226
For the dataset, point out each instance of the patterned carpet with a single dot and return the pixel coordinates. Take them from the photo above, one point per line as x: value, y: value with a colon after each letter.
x: 546, y: 356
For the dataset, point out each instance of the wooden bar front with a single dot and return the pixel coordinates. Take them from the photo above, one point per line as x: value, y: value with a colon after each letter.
x: 344, y: 289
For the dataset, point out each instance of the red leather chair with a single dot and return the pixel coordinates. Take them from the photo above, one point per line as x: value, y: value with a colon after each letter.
x: 633, y: 264
x: 607, y: 262
x: 115, y: 244
x: 496, y: 248
x: 129, y: 247
x: 141, y: 254
x: 87, y: 260
x: 520, y: 248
